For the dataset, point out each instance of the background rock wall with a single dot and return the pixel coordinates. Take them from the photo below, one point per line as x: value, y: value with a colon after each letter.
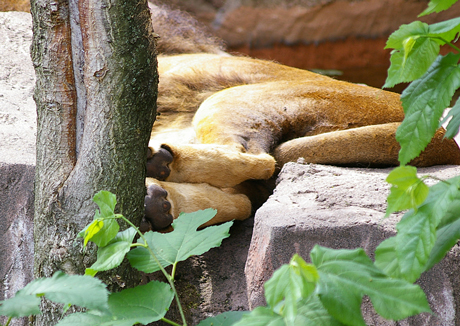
x: 344, y: 35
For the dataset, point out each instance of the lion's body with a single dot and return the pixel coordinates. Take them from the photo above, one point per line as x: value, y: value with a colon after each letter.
x: 225, y: 119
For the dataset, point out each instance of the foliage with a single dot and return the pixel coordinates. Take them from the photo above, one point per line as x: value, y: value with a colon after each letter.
x: 79, y: 290
x: 329, y: 291
x: 152, y: 251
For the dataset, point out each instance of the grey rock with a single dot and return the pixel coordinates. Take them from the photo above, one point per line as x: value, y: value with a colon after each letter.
x: 340, y: 208
x: 17, y: 155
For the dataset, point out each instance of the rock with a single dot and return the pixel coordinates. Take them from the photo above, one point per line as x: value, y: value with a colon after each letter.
x: 262, y: 23
x: 348, y: 36
x: 341, y: 208
x: 17, y: 155
x: 214, y: 282
x: 17, y: 80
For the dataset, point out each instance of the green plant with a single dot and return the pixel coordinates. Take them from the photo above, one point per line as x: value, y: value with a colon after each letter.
x: 152, y: 252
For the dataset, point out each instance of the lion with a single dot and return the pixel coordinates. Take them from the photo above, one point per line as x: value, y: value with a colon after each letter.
x: 224, y: 120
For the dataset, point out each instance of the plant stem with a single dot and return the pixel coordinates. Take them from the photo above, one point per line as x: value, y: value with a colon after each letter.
x: 453, y: 47
x: 442, y: 39
x: 138, y: 245
x: 437, y: 179
x: 173, y: 272
x: 169, y: 322
x: 165, y: 273
x: 8, y: 322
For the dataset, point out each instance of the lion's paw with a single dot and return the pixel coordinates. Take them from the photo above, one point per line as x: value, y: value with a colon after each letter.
x: 157, y: 207
x: 158, y: 163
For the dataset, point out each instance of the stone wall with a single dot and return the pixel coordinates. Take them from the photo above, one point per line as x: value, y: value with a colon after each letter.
x: 344, y: 35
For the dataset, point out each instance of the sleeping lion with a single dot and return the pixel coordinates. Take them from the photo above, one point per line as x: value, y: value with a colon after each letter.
x: 225, y: 120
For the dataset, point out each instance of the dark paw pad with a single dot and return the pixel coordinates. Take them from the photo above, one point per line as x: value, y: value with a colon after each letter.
x: 158, y: 164
x: 157, y: 207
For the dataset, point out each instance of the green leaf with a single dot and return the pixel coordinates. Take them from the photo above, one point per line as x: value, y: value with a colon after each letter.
x: 424, y: 101
x: 104, y: 226
x: 225, y: 319
x: 437, y: 6
x: 407, y: 191
x: 446, y: 30
x: 446, y: 238
x: 397, y: 38
x: 415, y: 239
x: 311, y: 312
x: 261, y: 316
x: 107, y: 233
x: 291, y: 283
x: 183, y: 242
x: 386, y: 258
x: 106, y: 202
x: 454, y: 124
x: 90, y: 272
x: 347, y: 275
x: 143, y: 304
x: 444, y: 196
x: 114, y: 252
x: 417, y: 245
x: 20, y: 305
x: 90, y: 230
x: 414, y: 53
x: 83, y: 291
x: 448, y: 230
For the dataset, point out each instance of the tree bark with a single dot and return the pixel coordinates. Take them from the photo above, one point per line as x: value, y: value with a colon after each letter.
x: 96, y: 102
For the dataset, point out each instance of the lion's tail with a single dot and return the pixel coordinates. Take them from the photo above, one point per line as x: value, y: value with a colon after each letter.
x: 181, y: 33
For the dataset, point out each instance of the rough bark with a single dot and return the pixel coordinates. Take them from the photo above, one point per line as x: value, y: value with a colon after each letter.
x: 95, y: 95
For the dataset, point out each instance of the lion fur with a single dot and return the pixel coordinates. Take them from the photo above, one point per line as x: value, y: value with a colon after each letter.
x: 227, y: 119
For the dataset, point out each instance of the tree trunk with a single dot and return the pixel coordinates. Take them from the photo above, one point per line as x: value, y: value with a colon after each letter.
x: 95, y: 94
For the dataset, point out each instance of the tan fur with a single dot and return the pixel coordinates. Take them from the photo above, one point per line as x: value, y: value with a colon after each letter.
x: 15, y: 5
x: 227, y: 119
x: 187, y: 198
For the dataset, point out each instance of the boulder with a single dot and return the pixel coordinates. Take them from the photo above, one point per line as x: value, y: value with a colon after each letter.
x: 341, y: 208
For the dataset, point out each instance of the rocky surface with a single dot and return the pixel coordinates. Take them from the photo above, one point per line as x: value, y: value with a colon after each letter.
x: 17, y: 155
x: 261, y: 23
x: 344, y: 35
x: 341, y: 208
x: 17, y: 79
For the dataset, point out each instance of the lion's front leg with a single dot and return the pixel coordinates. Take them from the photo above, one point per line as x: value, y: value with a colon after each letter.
x: 217, y: 165
x: 166, y: 200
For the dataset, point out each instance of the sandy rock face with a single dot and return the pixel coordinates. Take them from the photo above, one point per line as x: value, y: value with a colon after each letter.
x: 17, y: 80
x: 344, y: 35
x: 261, y: 23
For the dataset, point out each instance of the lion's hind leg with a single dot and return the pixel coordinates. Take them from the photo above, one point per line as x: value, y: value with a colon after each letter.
x: 373, y: 145
x: 166, y: 200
